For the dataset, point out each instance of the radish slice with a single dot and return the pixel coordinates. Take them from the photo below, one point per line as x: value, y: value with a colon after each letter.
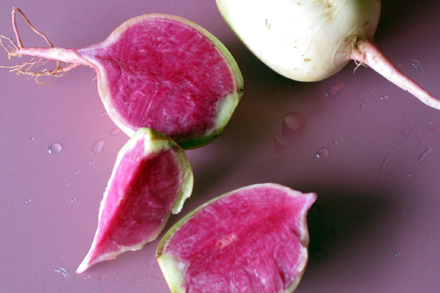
x: 151, y: 178
x: 253, y: 239
x: 157, y: 71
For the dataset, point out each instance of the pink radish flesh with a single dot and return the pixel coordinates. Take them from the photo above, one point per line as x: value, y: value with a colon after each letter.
x: 157, y: 71
x: 251, y: 240
x: 151, y: 178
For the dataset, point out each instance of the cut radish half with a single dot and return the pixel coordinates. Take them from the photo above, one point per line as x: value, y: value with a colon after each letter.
x: 253, y: 239
x: 157, y: 71
x: 151, y: 178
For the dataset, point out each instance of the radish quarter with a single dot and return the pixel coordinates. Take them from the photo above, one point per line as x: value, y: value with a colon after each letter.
x: 253, y: 239
x: 158, y: 71
x: 150, y: 180
x: 310, y: 40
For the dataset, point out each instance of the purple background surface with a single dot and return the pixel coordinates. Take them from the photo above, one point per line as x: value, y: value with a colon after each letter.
x: 374, y: 228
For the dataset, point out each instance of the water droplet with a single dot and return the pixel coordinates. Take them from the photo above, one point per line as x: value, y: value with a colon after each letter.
x: 102, y: 277
x: 98, y: 146
x: 322, y: 153
x: 54, y: 148
x: 115, y: 131
x: 335, y: 89
x: 399, y: 254
x: 417, y: 65
x: 434, y: 128
x: 384, y: 162
x: 87, y: 277
x: 384, y: 98
x: 92, y: 162
x: 278, y: 146
x: 31, y: 138
x: 410, y: 175
x: 29, y: 200
x: 68, y: 184
x: 73, y: 200
x: 294, y: 120
x: 77, y: 172
x: 424, y: 154
x: 63, y: 272
x: 293, y: 126
x: 334, y: 143
x: 104, y: 114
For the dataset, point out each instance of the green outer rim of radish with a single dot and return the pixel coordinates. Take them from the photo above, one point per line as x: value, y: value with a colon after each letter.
x: 229, y: 103
x: 167, y: 262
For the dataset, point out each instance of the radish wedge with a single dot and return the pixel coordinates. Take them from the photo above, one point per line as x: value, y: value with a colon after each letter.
x: 151, y: 178
x: 158, y: 71
x: 253, y: 239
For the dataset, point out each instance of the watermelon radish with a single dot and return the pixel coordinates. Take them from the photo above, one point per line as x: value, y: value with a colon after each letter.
x: 253, y: 239
x: 151, y: 178
x: 157, y: 71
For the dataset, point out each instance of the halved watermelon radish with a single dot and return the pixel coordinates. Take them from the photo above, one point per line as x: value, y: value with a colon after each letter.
x: 151, y: 178
x: 158, y: 71
x: 253, y: 239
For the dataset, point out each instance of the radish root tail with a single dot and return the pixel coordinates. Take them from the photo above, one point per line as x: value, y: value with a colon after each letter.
x: 14, y: 49
x: 367, y: 53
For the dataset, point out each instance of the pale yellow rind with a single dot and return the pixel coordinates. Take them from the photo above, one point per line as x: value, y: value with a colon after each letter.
x: 174, y: 276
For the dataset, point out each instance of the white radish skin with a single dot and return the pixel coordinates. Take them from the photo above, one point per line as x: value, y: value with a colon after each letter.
x: 310, y: 40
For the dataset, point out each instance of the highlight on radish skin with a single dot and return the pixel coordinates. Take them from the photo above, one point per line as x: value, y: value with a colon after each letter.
x: 310, y: 40
x: 158, y: 71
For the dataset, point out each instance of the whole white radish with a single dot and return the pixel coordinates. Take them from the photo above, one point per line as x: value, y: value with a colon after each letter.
x: 310, y: 40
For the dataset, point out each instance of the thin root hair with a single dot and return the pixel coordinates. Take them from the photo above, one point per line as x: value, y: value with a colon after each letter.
x: 14, y: 49
x: 358, y: 64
